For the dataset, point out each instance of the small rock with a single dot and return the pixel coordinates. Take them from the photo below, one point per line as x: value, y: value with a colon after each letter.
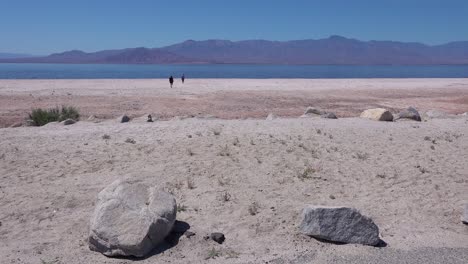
x: 189, y: 234
x: 313, y: 110
x: 332, y: 197
x: 92, y: 118
x: 124, y: 119
x: 465, y: 215
x: 150, y: 119
x: 377, y: 114
x: 339, y: 224
x: 271, y: 116
x: 329, y: 115
x: 17, y: 124
x: 410, y: 113
x: 130, y: 219
x: 218, y: 237
x: 68, y: 122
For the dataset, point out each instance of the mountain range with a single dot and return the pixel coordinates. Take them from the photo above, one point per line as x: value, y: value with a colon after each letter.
x: 335, y: 50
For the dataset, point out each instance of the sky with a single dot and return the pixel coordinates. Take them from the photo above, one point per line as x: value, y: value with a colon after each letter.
x: 42, y: 27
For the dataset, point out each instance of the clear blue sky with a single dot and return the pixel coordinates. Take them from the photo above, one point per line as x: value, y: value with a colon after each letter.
x: 45, y: 26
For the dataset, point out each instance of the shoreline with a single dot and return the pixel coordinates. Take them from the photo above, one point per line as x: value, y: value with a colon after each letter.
x: 229, y: 98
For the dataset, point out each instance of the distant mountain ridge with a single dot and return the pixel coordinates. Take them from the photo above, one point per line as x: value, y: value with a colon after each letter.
x: 335, y: 50
x: 4, y: 55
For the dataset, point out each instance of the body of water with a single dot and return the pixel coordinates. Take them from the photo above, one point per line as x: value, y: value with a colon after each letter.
x: 112, y: 71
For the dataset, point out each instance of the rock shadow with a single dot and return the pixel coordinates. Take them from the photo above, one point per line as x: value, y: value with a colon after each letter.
x: 171, y: 240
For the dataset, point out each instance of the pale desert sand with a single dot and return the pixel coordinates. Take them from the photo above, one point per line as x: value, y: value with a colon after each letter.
x: 410, y: 177
x: 229, y: 98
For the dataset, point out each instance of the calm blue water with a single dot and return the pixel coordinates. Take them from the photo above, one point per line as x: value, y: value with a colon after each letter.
x: 104, y: 71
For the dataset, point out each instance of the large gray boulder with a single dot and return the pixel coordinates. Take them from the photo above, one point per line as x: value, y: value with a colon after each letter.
x: 377, y: 114
x: 131, y: 219
x: 409, y: 113
x: 464, y: 217
x: 339, y: 224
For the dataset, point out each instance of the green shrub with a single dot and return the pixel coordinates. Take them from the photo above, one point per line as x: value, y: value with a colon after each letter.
x: 41, y: 117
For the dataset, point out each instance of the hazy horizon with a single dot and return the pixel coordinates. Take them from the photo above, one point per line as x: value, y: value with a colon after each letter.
x: 51, y: 26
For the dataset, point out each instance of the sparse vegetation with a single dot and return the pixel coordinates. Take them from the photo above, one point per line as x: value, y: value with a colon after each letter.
x: 130, y: 140
x: 181, y: 208
x: 253, y: 208
x: 190, y: 152
x: 225, y: 197
x: 231, y: 254
x: 224, y: 152
x: 361, y: 156
x: 223, y: 181
x: 212, y: 254
x: 190, y: 183
x: 236, y: 142
x: 41, y: 116
x: 307, y: 173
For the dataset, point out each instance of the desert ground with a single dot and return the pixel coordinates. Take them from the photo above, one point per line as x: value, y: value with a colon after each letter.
x: 238, y: 174
x: 229, y: 98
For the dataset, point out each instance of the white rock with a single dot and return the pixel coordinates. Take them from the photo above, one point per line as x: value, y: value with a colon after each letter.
x: 271, y: 116
x: 130, y: 219
x: 339, y: 224
x: 313, y: 110
x: 377, y: 114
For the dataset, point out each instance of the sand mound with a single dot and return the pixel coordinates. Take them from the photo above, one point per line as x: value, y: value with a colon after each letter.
x: 247, y: 179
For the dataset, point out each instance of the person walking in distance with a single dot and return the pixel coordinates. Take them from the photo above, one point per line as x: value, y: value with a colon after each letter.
x: 171, y: 80
x: 183, y: 78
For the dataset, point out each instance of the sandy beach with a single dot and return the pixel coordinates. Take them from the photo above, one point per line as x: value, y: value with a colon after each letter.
x: 410, y: 177
x: 229, y: 98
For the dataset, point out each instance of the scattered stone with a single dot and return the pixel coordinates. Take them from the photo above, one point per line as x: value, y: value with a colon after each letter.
x: 130, y: 219
x: 189, y: 234
x: 17, y: 124
x: 332, y: 197
x: 124, y: 119
x: 150, y: 119
x: 377, y: 114
x: 410, y: 113
x: 218, y: 237
x: 68, y: 122
x: 271, y: 116
x: 465, y: 215
x: 329, y: 115
x: 339, y: 224
x: 92, y: 118
x: 313, y: 110
x: 464, y: 114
